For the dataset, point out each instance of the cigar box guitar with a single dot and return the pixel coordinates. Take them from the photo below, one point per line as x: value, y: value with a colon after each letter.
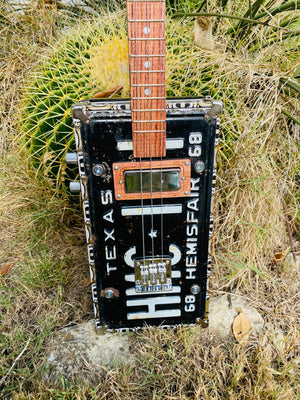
x: 146, y: 168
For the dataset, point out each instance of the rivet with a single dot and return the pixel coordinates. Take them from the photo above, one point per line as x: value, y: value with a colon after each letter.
x: 187, y: 163
x: 109, y: 293
x: 195, y: 289
x: 183, y: 178
x: 98, y: 170
x: 199, y: 167
x: 118, y: 196
x: 121, y: 181
x: 187, y: 192
x: 116, y: 167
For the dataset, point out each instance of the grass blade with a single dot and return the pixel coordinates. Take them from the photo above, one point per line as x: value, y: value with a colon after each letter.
x: 292, y: 117
x: 289, y: 6
x: 204, y: 14
x: 291, y: 84
x: 250, y: 13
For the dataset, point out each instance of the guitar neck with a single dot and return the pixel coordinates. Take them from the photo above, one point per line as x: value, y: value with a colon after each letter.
x: 147, y: 60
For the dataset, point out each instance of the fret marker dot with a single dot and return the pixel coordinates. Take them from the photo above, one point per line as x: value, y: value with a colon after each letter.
x: 147, y: 92
x: 147, y: 64
x: 146, y: 30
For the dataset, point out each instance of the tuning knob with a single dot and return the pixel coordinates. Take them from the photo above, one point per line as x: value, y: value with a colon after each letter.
x: 74, y: 187
x: 71, y: 158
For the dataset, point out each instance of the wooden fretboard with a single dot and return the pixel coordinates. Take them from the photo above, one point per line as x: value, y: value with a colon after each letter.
x: 146, y: 34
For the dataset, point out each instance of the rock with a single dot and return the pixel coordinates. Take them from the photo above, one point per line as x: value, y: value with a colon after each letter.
x: 291, y: 274
x: 292, y: 263
x: 222, y: 314
x: 80, y: 352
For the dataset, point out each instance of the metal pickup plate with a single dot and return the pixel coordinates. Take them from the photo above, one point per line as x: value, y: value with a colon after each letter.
x: 120, y: 169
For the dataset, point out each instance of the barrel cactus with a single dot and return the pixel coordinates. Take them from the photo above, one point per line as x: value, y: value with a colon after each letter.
x: 92, y: 58
x: 253, y: 151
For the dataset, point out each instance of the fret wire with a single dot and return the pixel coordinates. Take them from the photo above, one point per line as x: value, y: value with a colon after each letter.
x: 147, y: 120
x: 146, y: 55
x: 147, y: 84
x: 150, y: 71
x: 145, y: 39
x: 148, y: 98
x: 146, y: 20
x: 149, y: 131
x: 148, y: 109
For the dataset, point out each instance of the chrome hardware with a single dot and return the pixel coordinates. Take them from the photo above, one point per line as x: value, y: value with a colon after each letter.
x: 98, y: 170
x: 153, y: 275
x: 215, y: 110
x: 199, y: 167
x: 71, y: 158
x: 80, y: 112
x: 195, y: 289
x: 74, y: 187
x: 109, y: 294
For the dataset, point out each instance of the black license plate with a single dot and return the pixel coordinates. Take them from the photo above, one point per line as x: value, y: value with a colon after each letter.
x: 149, y: 254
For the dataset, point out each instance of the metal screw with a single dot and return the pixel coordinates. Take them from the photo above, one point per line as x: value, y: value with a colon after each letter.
x: 109, y: 293
x: 116, y: 167
x: 118, y: 196
x: 187, y: 163
x: 98, y: 170
x: 195, y: 289
x: 199, y: 167
x: 187, y: 192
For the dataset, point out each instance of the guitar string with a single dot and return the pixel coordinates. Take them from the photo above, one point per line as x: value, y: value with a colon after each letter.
x: 150, y: 133
x: 163, y: 125
x: 139, y: 130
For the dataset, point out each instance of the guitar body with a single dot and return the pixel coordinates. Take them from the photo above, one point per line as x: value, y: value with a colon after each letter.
x: 148, y: 223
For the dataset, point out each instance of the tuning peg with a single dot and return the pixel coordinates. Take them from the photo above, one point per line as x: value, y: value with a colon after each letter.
x: 71, y: 158
x: 74, y: 187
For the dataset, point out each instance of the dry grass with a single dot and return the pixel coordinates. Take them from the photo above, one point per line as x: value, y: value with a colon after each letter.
x: 42, y: 236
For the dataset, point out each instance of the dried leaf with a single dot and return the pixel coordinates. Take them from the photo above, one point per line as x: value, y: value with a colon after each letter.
x: 48, y: 156
x: 241, y: 327
x: 203, y: 33
x: 86, y: 282
x: 108, y: 92
x: 4, y: 270
x: 279, y: 256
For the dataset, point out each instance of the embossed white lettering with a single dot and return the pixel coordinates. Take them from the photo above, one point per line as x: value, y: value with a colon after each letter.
x: 192, y: 230
x: 110, y: 254
x: 108, y: 216
x: 193, y: 204
x: 109, y: 235
x: 106, y: 197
